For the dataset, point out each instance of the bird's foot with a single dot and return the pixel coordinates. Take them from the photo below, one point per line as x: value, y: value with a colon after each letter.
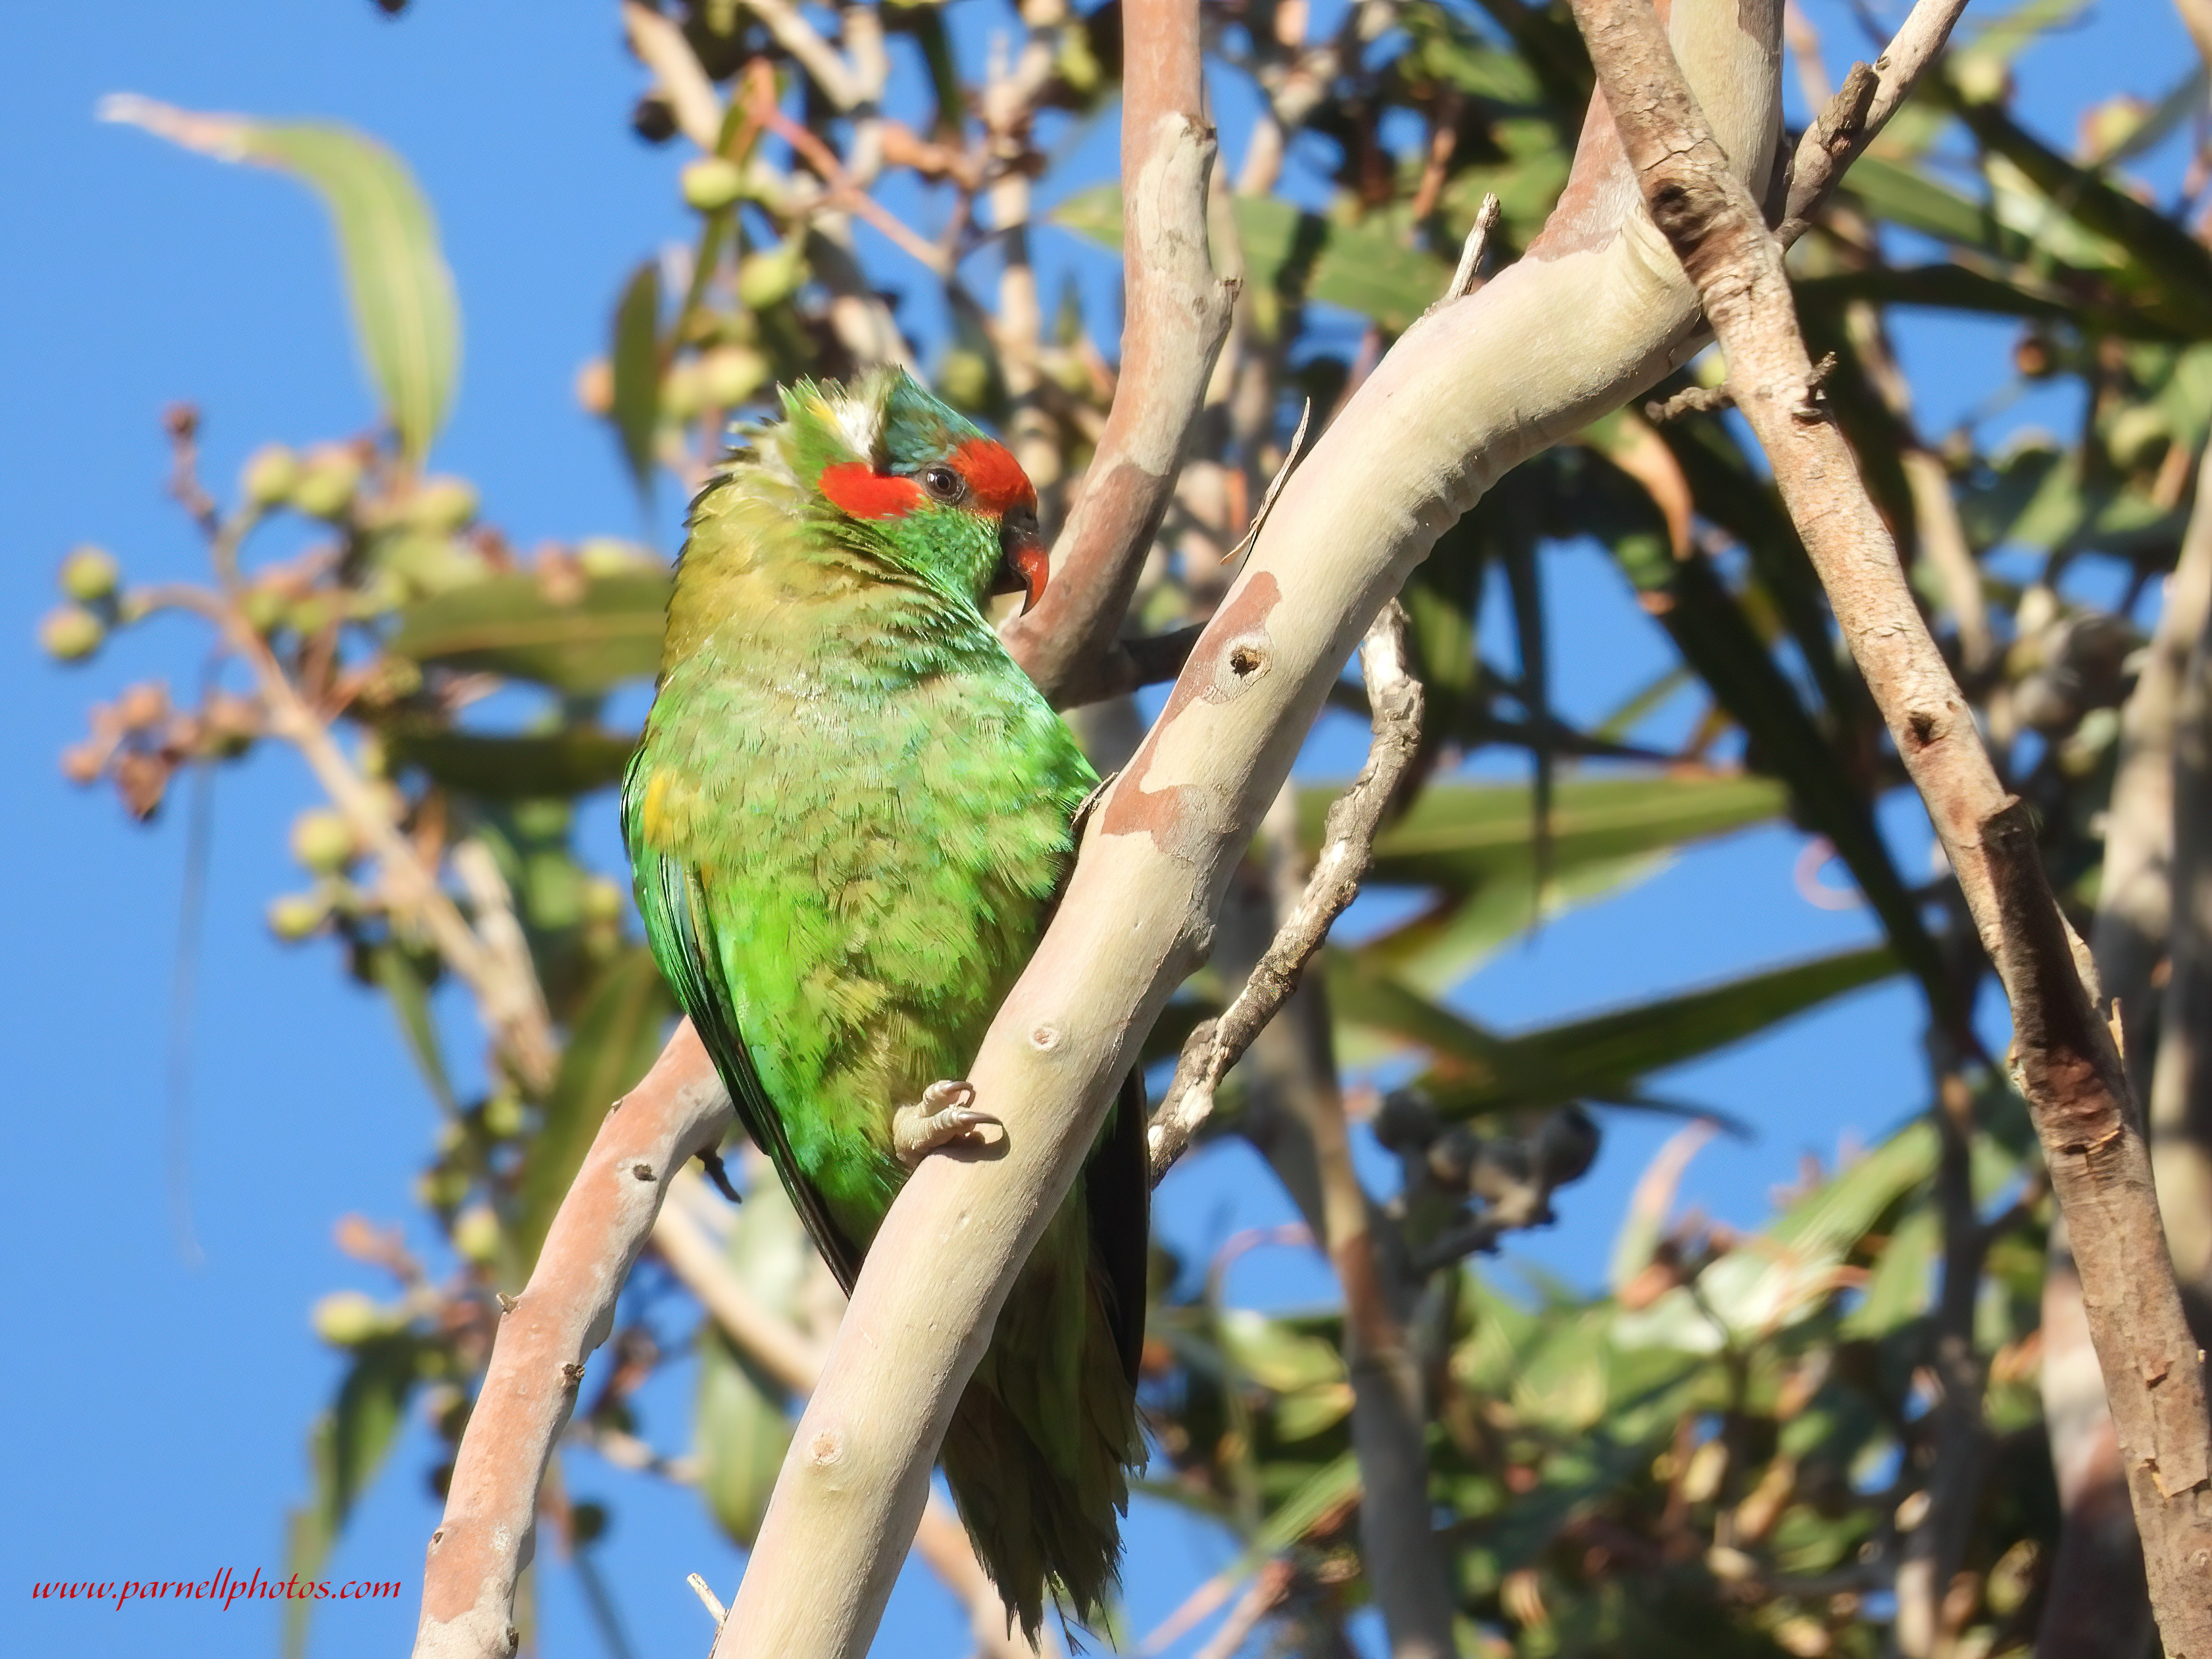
x: 942, y: 1116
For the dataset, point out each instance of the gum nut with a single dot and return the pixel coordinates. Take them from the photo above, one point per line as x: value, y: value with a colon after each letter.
x: 766, y: 279
x: 731, y: 373
x: 442, y: 504
x: 595, y: 386
x: 964, y: 378
x: 296, y: 915
x: 324, y: 841
x: 326, y: 483
x: 712, y: 183
x: 611, y: 555
x: 264, y: 608
x: 602, y: 900
x: 70, y: 633
x: 90, y: 574
x: 346, y: 1319
x: 271, y: 473
x: 475, y: 1233
x: 680, y: 391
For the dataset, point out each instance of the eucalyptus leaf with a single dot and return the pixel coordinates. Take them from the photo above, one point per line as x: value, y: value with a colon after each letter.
x: 573, y: 760
x: 608, y: 632
x: 613, y: 1045
x: 405, y: 317
x: 346, y: 1448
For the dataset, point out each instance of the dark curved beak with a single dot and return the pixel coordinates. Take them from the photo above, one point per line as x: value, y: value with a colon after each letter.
x: 1021, y: 562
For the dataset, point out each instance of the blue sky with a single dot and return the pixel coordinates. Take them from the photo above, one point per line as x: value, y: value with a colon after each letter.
x: 160, y: 1408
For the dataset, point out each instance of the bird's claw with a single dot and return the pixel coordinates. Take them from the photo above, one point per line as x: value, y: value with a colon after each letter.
x: 942, y: 1116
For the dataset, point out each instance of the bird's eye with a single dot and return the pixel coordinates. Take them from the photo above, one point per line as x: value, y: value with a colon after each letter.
x: 944, y: 483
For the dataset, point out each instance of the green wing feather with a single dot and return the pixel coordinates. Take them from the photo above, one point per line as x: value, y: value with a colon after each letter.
x: 674, y: 908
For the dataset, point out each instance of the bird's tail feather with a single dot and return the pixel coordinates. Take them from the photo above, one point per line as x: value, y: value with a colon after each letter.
x: 1046, y: 1517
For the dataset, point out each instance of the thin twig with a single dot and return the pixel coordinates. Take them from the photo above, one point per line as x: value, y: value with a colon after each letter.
x: 838, y: 186
x: 2064, y: 1060
x: 1470, y: 255
x: 1863, y: 106
x: 1690, y: 400
x: 798, y: 36
x: 1275, y: 488
x: 1268, y: 1586
x: 1347, y: 848
x: 711, y: 1602
x: 661, y: 47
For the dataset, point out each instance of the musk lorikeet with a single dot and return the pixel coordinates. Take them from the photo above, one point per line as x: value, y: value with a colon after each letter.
x: 849, y: 821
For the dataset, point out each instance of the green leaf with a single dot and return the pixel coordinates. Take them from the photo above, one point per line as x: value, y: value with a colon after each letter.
x: 401, y: 980
x: 1898, y: 1287
x: 346, y: 1447
x: 405, y: 317
x: 636, y: 364
x: 2165, y: 268
x: 612, y: 1045
x: 573, y: 760
x: 1367, y: 268
x: 1911, y: 199
x: 1602, y: 1057
x: 608, y: 633
x: 1459, y: 835
x: 741, y: 1427
x: 1472, y: 841
x: 1833, y: 1218
x: 1275, y: 1354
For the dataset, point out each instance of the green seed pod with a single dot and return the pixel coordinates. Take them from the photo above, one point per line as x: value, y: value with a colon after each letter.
x: 326, y: 483
x: 297, y: 916
x: 475, y: 1234
x: 502, y: 1116
x: 311, y: 614
x: 70, y: 633
x: 729, y: 374
x: 90, y: 574
x: 264, y: 609
x: 712, y: 183
x: 611, y: 555
x: 324, y: 841
x: 681, y: 394
x: 346, y: 1319
x: 964, y: 379
x: 769, y: 279
x: 271, y: 472
x: 442, y: 505
x: 441, y: 1187
x: 602, y: 900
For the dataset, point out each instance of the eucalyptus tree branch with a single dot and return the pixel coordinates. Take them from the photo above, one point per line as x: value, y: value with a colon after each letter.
x: 2095, y: 1596
x: 795, y: 1362
x: 1597, y: 312
x: 2181, y: 1081
x: 2136, y: 909
x: 1347, y: 848
x: 2064, y: 1060
x: 486, y: 1537
x: 1177, y: 311
x: 1862, y: 107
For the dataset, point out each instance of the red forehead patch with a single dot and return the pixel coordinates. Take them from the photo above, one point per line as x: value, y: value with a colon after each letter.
x: 856, y: 488
x: 995, y: 479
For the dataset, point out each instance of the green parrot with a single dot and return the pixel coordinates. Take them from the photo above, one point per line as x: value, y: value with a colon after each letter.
x: 849, y: 821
